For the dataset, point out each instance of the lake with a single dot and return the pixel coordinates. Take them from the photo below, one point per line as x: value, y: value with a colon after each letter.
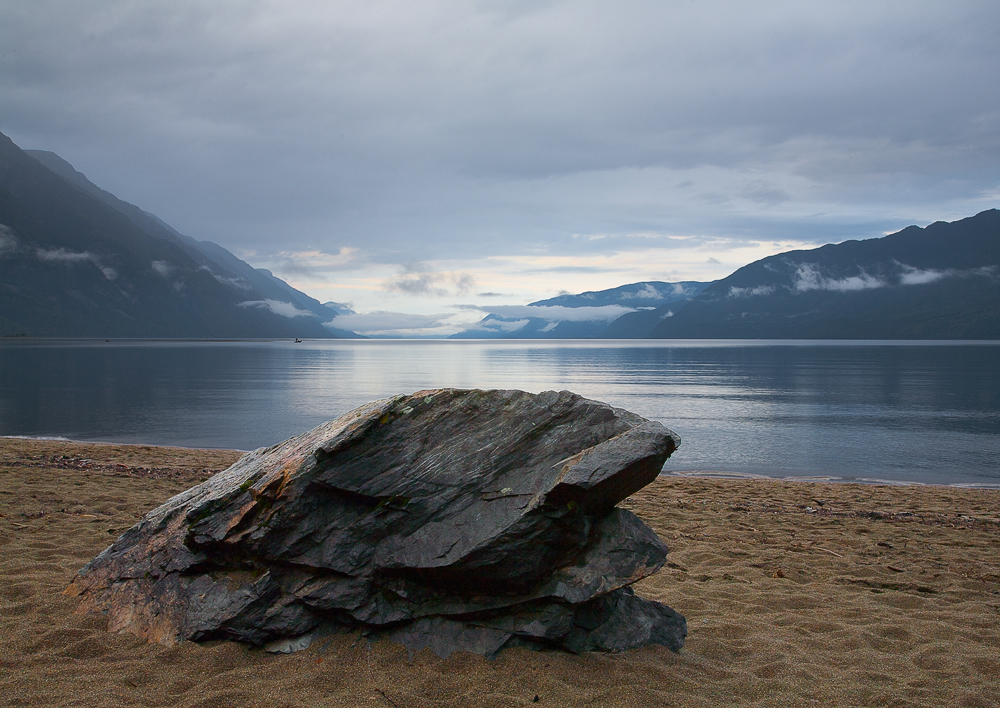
x: 886, y: 411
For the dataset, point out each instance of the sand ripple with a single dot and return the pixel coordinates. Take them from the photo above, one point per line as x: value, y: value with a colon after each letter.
x: 796, y: 594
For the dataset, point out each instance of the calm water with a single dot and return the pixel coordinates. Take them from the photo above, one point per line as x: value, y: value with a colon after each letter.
x: 907, y: 412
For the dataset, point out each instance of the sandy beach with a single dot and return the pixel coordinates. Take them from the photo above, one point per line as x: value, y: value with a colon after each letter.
x: 796, y: 594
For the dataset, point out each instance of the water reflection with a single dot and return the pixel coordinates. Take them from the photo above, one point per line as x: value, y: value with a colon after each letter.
x: 919, y: 412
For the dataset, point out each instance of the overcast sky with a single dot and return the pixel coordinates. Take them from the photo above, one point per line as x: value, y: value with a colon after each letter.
x: 418, y: 156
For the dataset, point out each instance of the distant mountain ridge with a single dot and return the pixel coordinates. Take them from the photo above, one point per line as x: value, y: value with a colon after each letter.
x: 649, y: 293
x: 77, y: 261
x: 585, y: 315
x: 938, y: 282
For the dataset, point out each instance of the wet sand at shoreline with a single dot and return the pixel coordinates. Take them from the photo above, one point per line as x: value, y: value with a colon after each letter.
x: 796, y: 593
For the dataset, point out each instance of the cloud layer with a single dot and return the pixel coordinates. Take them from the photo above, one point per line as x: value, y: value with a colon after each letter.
x: 8, y: 241
x: 285, y: 309
x: 62, y: 255
x: 806, y: 277
x: 396, y: 324
x: 556, y: 313
x: 337, y: 143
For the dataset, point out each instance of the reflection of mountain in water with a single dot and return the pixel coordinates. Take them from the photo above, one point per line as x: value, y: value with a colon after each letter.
x: 901, y: 411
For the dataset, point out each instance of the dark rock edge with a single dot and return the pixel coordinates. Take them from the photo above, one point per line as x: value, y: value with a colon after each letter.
x: 153, y: 586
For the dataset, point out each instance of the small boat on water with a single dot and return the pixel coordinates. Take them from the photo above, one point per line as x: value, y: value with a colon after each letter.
x: 298, y: 341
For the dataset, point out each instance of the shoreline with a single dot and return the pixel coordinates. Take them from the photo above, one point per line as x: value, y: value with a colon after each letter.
x: 824, y: 479
x: 804, y: 593
x: 60, y: 439
x: 678, y: 474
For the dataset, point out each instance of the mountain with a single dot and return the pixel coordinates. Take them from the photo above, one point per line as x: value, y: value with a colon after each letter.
x: 337, y: 307
x: 645, y: 294
x: 224, y: 264
x: 586, y: 315
x: 938, y: 282
x: 76, y: 261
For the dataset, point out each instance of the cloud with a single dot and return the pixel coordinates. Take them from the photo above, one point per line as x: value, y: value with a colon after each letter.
x: 165, y: 270
x: 418, y: 284
x: 8, y: 242
x: 341, y: 308
x: 384, y: 323
x: 237, y: 283
x: 285, y: 309
x: 750, y: 292
x: 495, y: 324
x: 62, y: 255
x: 920, y: 277
x: 162, y: 268
x: 554, y: 313
x: 764, y: 192
x: 415, y: 279
x: 648, y: 292
x: 464, y: 282
x: 313, y: 263
x: 333, y: 137
x: 571, y: 269
x: 808, y: 277
x: 916, y: 276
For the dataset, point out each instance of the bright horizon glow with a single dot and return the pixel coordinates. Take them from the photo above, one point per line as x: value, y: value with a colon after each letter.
x: 505, y: 281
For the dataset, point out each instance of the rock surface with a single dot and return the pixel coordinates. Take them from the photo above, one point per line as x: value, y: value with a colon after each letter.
x: 449, y: 519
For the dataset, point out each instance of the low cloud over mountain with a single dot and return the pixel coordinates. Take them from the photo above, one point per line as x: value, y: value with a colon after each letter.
x: 76, y: 261
x: 584, y: 315
x: 938, y: 282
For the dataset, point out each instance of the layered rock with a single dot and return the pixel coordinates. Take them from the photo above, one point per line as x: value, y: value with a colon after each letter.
x: 450, y: 519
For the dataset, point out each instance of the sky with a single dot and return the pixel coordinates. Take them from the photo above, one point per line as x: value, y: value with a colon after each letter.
x: 426, y: 161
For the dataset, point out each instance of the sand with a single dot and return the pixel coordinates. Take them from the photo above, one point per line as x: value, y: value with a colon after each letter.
x: 796, y: 594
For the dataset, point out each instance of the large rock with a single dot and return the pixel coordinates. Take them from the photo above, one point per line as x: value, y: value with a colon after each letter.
x: 450, y: 519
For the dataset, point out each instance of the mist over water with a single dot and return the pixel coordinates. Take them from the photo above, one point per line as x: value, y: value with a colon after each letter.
x: 920, y: 412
